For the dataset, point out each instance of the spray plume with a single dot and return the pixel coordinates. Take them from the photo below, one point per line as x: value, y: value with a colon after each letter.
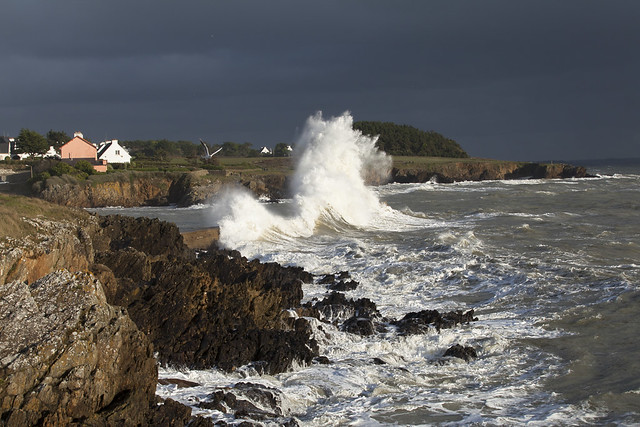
x: 334, y: 163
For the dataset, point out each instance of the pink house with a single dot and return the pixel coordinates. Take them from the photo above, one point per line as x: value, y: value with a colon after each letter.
x: 81, y: 149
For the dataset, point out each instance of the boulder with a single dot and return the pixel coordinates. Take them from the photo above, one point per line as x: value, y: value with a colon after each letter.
x: 462, y: 352
x: 419, y: 322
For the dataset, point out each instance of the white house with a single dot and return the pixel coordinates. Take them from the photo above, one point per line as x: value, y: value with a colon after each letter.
x: 265, y: 151
x: 5, y: 147
x: 52, y: 153
x: 113, y: 152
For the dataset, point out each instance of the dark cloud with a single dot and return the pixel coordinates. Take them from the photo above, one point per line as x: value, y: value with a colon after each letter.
x: 518, y: 80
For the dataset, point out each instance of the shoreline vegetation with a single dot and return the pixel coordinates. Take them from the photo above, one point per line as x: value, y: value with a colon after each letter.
x: 267, y: 177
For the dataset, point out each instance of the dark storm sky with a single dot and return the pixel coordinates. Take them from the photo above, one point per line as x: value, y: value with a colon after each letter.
x: 519, y: 80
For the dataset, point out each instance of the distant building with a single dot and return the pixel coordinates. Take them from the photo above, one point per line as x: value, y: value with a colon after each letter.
x: 265, y: 151
x: 81, y: 149
x: 5, y: 147
x: 113, y: 152
x: 52, y: 153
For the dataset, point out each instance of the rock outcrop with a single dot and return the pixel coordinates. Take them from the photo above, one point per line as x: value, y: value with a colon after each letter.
x: 66, y: 356
x: 479, y: 171
x: 82, y: 303
x: 217, y: 310
x: 153, y: 188
x: 53, y: 245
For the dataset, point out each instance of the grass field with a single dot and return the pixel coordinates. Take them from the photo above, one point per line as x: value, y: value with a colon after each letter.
x: 14, y: 207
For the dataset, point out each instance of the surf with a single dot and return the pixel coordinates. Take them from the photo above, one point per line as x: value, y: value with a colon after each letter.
x: 334, y: 165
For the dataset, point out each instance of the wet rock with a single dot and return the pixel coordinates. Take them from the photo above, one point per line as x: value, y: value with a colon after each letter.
x: 66, y: 356
x: 168, y: 412
x: 419, y: 322
x: 466, y: 353
x: 322, y: 360
x: 336, y: 308
x: 343, y: 286
x: 358, y: 326
x: 249, y: 400
x: 217, y: 310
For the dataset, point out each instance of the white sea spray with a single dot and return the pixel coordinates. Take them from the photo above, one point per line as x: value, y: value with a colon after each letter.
x: 334, y: 162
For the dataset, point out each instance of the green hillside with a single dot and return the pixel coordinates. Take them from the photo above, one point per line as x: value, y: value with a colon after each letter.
x: 404, y: 140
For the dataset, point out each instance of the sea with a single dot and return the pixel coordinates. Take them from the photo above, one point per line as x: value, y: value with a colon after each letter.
x: 550, y: 267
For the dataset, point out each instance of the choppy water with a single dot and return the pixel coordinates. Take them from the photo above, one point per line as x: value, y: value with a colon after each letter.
x: 552, y: 269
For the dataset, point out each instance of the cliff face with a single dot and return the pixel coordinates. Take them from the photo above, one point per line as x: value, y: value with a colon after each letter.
x: 66, y: 356
x: 133, y: 190
x: 185, y: 189
x: 55, y: 245
x: 479, y: 171
x: 153, y: 189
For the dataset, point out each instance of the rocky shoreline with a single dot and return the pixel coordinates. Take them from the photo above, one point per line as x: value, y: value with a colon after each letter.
x: 90, y: 307
x: 130, y: 189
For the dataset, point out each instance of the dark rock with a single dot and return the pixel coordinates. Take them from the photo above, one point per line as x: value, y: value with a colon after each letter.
x: 168, y: 412
x: 327, y: 279
x: 322, y: 360
x: 343, y: 286
x: 336, y: 307
x: 463, y: 352
x: 150, y: 236
x: 217, y: 310
x: 249, y: 400
x: 419, y: 322
x: 358, y: 326
x: 339, y: 282
x: 378, y: 361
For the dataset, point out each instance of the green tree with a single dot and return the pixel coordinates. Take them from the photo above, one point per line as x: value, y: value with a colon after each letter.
x: 281, y: 150
x: 188, y: 148
x: 31, y: 142
x: 404, y: 140
x: 57, y: 138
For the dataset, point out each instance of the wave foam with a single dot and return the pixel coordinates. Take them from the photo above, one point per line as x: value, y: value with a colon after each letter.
x: 334, y: 164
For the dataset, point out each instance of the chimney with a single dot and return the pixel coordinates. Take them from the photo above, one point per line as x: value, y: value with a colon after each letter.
x: 78, y: 134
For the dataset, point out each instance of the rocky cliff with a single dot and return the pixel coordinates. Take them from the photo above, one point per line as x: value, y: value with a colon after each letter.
x: 153, y: 188
x: 84, y: 305
x: 478, y: 171
x: 66, y: 356
x: 189, y: 188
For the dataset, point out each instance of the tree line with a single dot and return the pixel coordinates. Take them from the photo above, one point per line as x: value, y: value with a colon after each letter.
x: 405, y: 140
x: 394, y: 139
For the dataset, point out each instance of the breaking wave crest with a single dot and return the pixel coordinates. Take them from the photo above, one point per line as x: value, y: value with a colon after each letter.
x: 334, y: 164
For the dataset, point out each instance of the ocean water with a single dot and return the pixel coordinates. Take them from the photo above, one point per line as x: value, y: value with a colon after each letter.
x: 551, y: 268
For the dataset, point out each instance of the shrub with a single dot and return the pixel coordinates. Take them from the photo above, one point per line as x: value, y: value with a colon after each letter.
x: 85, y: 166
x: 62, y: 169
